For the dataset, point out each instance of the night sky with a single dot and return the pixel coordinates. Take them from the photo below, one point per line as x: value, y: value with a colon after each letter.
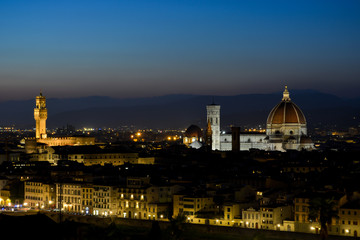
x: 132, y: 48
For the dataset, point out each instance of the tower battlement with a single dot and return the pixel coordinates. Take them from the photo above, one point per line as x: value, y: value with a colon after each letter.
x: 40, y: 116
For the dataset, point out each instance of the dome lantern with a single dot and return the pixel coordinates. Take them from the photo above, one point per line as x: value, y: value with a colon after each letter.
x: 286, y: 95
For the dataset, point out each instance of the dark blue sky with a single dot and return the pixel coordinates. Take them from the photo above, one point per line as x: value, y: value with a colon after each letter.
x: 134, y: 48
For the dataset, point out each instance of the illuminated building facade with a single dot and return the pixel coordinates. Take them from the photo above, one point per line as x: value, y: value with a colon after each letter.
x: 349, y: 220
x: 68, y: 197
x: 192, y: 205
x: 105, y: 200
x: 5, y: 196
x: 213, y: 116
x: 114, y: 158
x: 285, y: 130
x: 140, y: 200
x: 39, y: 195
x: 40, y: 116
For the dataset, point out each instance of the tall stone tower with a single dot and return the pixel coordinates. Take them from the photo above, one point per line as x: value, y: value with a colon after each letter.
x: 213, y: 116
x: 40, y: 115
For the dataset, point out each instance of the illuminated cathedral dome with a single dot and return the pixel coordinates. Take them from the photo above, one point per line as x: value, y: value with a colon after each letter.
x: 286, y: 122
x: 286, y: 112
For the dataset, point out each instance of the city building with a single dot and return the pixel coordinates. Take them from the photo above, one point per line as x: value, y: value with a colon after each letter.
x: 141, y: 200
x: 68, y: 197
x: 213, y: 117
x: 105, y: 201
x: 349, y: 219
x: 286, y: 129
x: 94, y: 155
x: 41, y: 136
x: 193, y: 137
x: 251, y: 218
x: 193, y: 205
x: 301, y: 211
x: 39, y: 195
x: 5, y: 196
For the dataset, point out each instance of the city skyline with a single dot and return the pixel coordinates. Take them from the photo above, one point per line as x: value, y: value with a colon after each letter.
x: 141, y: 49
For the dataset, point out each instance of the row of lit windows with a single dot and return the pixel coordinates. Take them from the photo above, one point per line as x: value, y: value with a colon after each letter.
x: 102, y: 206
x: 86, y: 202
x: 251, y: 216
x: 132, y: 196
x: 71, y: 192
x: 33, y: 198
x: 72, y: 200
x: 256, y: 215
x: 33, y: 190
x: 102, y: 200
x: 102, y: 194
x: 132, y: 204
x: 131, y: 190
x: 33, y: 184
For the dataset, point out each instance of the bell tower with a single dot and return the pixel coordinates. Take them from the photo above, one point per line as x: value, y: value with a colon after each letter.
x: 40, y: 116
x: 213, y: 117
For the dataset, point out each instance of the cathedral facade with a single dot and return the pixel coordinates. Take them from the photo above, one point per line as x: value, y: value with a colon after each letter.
x: 285, y: 130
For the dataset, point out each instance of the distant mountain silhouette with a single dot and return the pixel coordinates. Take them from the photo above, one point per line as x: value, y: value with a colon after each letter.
x: 180, y: 111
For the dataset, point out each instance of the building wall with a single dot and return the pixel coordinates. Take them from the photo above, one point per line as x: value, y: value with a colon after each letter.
x: 105, y: 200
x: 247, y: 141
x: 87, y: 199
x: 133, y: 202
x: 251, y: 218
x: 349, y: 220
x: 232, y: 211
x: 106, y: 158
x: 190, y: 205
x: 213, y: 115
x: 68, y: 196
x: 39, y: 195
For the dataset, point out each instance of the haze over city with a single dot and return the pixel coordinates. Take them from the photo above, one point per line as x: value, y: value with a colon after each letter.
x: 128, y: 49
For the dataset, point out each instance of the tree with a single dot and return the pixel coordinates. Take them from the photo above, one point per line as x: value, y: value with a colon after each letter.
x: 323, y: 210
x: 177, y: 226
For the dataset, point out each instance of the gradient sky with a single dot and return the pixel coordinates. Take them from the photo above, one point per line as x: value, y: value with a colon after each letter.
x: 136, y: 48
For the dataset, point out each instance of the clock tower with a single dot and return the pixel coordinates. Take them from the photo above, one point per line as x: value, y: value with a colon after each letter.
x: 40, y: 116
